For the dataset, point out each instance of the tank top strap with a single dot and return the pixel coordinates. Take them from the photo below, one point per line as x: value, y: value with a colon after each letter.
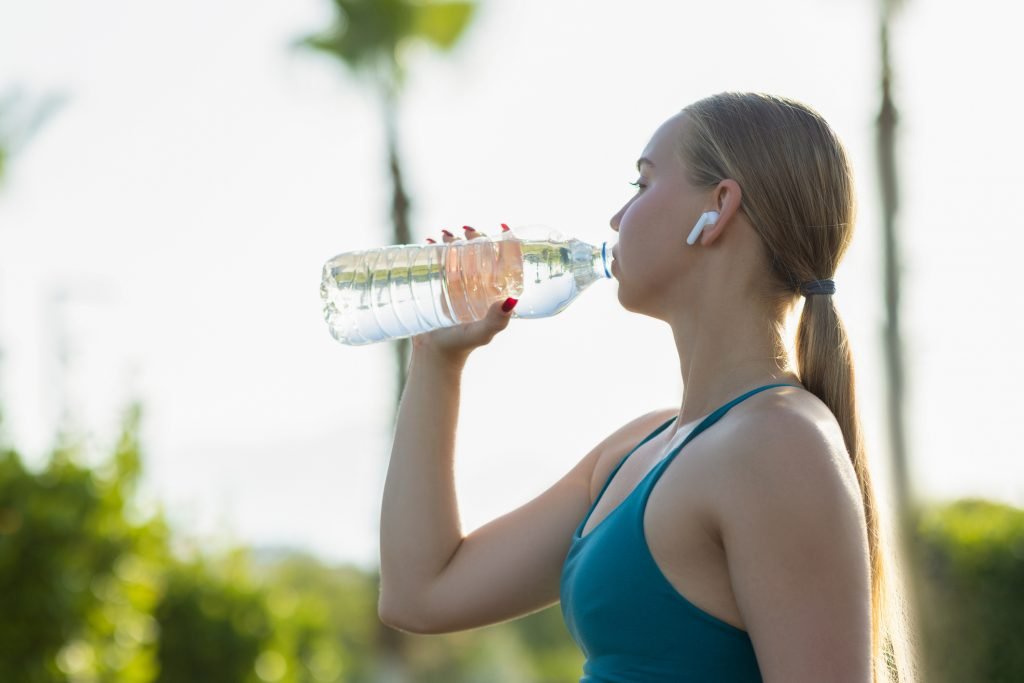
x: 608, y: 481
x: 704, y: 424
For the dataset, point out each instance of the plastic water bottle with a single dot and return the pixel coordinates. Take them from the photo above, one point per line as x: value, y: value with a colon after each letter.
x: 408, y: 289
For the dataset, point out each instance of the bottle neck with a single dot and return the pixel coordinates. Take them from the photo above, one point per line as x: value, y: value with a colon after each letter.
x: 590, y: 263
x: 606, y: 259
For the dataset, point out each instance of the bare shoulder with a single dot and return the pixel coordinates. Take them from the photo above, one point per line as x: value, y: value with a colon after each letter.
x: 788, y: 431
x: 615, y: 447
x: 785, y: 446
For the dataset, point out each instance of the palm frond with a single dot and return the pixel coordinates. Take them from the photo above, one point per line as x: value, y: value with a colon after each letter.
x: 442, y: 23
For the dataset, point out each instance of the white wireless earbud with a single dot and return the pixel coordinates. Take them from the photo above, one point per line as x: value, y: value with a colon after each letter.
x: 706, y: 218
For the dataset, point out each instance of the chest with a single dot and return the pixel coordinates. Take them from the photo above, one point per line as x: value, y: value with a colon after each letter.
x: 678, y: 519
x: 681, y: 494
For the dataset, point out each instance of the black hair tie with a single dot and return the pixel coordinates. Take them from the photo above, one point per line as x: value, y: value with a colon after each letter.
x: 826, y: 287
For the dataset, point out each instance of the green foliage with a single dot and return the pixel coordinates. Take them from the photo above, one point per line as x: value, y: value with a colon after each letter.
x: 213, y: 624
x: 324, y: 620
x: 441, y: 23
x: 549, y: 646
x: 369, y: 36
x: 68, y: 579
x: 973, y: 616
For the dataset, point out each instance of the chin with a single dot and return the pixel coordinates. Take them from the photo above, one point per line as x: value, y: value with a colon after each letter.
x: 638, y: 307
x: 623, y: 297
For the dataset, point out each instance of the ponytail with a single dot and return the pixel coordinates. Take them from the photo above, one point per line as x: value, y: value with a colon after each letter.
x: 827, y: 371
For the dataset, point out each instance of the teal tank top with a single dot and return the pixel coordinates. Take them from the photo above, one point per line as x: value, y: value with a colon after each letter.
x: 632, y: 625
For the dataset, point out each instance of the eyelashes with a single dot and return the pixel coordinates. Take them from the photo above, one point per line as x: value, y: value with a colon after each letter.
x: 638, y: 185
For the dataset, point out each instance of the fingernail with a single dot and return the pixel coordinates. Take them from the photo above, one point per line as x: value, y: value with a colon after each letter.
x: 509, y: 303
x: 505, y: 228
x: 447, y: 234
x: 431, y: 241
x: 468, y: 229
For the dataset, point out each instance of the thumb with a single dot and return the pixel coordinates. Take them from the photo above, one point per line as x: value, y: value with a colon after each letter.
x: 508, y: 305
x: 501, y: 312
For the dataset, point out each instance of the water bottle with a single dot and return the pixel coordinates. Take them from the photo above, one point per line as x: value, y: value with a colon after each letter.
x: 408, y: 289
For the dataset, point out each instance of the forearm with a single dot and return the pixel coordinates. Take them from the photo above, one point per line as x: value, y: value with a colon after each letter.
x: 419, y: 528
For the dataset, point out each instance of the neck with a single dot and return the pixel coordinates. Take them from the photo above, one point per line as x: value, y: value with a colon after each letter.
x: 723, y: 353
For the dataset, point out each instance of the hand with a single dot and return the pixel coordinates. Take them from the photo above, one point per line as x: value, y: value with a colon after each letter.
x: 458, y: 341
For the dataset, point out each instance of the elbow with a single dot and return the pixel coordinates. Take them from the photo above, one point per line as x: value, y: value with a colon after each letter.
x: 391, y: 618
x: 400, y: 615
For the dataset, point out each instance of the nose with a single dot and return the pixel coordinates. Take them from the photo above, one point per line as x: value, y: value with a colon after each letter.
x: 614, y: 222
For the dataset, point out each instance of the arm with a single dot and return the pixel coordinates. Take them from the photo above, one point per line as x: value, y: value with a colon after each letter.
x: 434, y: 580
x: 419, y: 524
x: 796, y: 545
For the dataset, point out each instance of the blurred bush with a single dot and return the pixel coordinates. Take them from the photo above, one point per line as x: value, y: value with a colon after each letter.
x: 972, y: 618
x: 78, y: 577
x: 213, y: 624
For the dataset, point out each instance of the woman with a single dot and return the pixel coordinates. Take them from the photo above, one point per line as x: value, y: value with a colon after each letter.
x: 757, y: 556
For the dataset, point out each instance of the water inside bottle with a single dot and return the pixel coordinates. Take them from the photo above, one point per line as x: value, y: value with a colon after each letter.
x: 404, y: 290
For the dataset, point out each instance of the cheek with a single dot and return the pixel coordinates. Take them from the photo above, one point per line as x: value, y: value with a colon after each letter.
x: 651, y: 213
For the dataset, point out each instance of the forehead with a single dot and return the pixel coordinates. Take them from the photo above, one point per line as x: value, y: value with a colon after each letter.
x: 661, y: 149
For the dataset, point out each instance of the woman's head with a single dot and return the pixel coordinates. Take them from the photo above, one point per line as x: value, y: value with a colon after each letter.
x: 771, y: 167
x: 794, y: 174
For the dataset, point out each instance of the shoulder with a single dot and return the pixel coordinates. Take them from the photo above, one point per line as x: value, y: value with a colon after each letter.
x: 783, y: 442
x: 791, y: 482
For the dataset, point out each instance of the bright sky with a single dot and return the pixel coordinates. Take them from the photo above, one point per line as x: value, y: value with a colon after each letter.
x: 201, y: 172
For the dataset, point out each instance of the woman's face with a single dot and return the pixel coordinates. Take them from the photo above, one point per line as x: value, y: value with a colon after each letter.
x: 654, y: 223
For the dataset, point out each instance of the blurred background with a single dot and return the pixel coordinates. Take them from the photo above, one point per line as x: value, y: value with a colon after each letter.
x: 192, y: 468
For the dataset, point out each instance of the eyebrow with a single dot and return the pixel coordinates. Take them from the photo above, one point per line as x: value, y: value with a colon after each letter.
x: 644, y: 160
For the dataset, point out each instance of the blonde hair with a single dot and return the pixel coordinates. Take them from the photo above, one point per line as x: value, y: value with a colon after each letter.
x: 797, y: 191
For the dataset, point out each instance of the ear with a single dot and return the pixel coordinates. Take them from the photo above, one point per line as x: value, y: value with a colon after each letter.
x: 727, y: 197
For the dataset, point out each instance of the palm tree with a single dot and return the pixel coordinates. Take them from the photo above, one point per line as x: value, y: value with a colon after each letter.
x: 369, y: 37
x: 907, y: 508
x: 887, y: 172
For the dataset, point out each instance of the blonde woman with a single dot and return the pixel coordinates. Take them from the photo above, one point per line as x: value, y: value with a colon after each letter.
x: 734, y: 538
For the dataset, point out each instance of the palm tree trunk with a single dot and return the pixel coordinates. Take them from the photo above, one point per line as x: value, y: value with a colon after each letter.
x: 391, y: 661
x: 908, y: 546
x: 886, y: 140
x: 400, y: 223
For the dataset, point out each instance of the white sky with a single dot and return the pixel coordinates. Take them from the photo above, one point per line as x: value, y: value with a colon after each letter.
x: 201, y: 173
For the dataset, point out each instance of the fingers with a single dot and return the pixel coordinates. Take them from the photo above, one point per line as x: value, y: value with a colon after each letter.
x: 446, y: 236
x: 470, y: 232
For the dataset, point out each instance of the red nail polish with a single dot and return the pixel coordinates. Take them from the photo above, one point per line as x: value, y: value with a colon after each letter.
x: 431, y: 241
x: 509, y: 303
x: 468, y: 229
x: 447, y: 234
x: 505, y: 228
